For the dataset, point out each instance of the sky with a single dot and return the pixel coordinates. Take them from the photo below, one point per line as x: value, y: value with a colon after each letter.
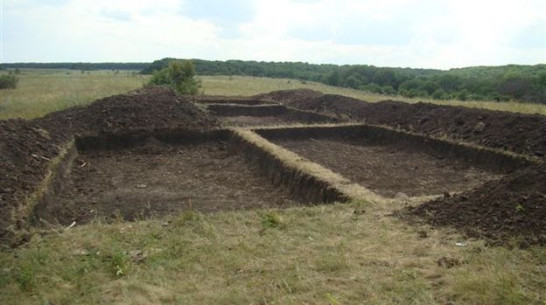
x: 439, y: 34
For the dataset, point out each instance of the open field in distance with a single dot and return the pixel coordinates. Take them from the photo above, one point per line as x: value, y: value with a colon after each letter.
x: 42, y: 91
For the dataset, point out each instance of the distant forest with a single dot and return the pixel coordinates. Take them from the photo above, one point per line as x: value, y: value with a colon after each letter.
x: 502, y: 83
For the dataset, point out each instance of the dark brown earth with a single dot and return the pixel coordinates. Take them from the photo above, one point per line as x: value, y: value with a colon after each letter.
x: 146, y: 109
x: 512, y: 209
x: 390, y: 170
x: 156, y: 179
x: 25, y: 151
x: 26, y: 147
x: 521, y: 133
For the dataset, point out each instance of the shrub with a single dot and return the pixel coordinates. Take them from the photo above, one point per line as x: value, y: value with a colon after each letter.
x: 8, y: 82
x: 179, y: 75
x: 439, y: 94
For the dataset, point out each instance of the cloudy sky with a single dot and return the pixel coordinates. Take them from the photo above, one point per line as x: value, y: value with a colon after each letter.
x: 397, y: 33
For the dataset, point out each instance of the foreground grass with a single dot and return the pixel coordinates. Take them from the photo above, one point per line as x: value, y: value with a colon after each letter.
x: 42, y: 91
x: 336, y: 254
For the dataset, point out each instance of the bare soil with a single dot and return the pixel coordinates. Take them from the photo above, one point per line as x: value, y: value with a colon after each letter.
x: 390, y: 170
x: 145, y: 109
x: 513, y: 208
x: 156, y: 179
x: 521, y: 133
x: 27, y: 147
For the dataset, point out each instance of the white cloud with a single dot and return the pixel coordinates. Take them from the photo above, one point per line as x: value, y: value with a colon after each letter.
x: 416, y: 33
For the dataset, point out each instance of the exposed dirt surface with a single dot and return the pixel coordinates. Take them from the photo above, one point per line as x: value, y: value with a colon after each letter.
x: 25, y: 151
x: 519, y: 133
x: 146, y: 109
x: 390, y: 170
x: 26, y: 147
x: 156, y: 179
x: 513, y: 207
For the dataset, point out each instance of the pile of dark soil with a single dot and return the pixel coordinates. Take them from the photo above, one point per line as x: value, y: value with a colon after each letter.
x: 521, y: 133
x: 513, y: 208
x: 27, y: 147
x: 146, y: 109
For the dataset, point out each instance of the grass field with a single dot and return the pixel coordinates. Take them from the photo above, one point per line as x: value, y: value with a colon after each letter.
x: 315, y: 255
x: 43, y: 91
x: 354, y: 253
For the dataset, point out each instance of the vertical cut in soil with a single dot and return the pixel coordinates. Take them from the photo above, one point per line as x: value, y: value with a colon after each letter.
x: 157, y: 179
x: 390, y: 169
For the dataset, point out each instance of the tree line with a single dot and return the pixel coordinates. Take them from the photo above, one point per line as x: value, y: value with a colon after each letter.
x: 510, y: 82
x: 502, y: 83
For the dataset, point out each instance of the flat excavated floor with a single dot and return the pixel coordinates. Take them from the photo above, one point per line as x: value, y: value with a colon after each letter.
x: 390, y: 169
x: 158, y: 179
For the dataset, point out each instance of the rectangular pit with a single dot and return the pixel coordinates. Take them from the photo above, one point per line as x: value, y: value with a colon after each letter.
x: 142, y: 174
x: 391, y: 163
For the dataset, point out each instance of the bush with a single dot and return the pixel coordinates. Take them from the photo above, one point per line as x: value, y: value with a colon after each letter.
x: 179, y: 75
x: 439, y: 94
x: 8, y: 82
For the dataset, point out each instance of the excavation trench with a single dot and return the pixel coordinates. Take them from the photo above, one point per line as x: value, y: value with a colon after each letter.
x: 138, y: 175
x: 143, y: 174
x: 233, y: 115
x: 394, y: 163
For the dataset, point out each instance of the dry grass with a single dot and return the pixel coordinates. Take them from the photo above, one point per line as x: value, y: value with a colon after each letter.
x: 42, y: 91
x: 348, y: 188
x: 335, y: 254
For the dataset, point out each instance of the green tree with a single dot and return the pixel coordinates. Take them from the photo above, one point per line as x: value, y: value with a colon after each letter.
x: 179, y: 75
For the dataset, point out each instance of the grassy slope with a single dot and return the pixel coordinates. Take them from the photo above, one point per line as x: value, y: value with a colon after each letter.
x: 43, y: 91
x: 335, y: 254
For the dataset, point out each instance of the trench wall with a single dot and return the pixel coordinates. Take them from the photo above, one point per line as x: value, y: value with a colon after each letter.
x: 300, y: 184
x: 480, y: 157
x: 271, y: 110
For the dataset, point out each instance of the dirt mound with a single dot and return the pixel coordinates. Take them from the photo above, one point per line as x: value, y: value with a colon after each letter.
x: 331, y: 103
x: 521, y: 133
x: 27, y: 147
x: 289, y: 96
x: 513, y: 207
x: 145, y: 109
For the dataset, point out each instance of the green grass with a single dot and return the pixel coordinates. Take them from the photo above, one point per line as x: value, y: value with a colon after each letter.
x: 42, y: 91
x: 313, y: 255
